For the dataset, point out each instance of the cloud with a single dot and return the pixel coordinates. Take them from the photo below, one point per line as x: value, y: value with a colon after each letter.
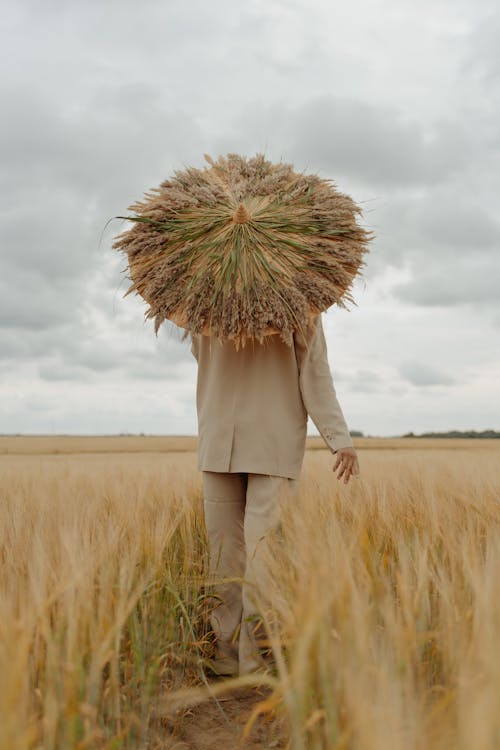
x: 29, y: 301
x: 104, y: 103
x: 481, y: 53
x: 421, y: 374
x: 451, y: 281
x: 365, y: 381
x: 378, y: 144
x: 459, y: 222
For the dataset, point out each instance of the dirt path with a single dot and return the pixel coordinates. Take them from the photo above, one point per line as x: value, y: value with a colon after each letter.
x: 208, y: 726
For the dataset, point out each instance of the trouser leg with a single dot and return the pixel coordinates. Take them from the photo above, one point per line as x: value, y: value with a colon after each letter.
x: 262, y: 519
x: 224, y: 508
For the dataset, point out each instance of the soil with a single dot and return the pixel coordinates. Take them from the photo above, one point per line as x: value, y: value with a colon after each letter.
x: 219, y: 724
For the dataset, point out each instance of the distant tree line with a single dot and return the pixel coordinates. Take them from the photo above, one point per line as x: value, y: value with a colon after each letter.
x: 457, y: 434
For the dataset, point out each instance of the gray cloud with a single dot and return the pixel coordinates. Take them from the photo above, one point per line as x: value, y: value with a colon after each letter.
x: 455, y: 221
x: 481, y: 53
x: 55, y: 371
x: 365, y: 381
x: 421, y: 374
x: 453, y: 281
x: 96, y: 367
x: 378, y: 144
x: 104, y: 103
x: 29, y: 301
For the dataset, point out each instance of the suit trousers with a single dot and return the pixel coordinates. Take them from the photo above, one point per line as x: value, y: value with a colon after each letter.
x: 242, y: 510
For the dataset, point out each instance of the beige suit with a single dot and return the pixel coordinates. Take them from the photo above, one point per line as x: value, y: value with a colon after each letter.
x: 252, y: 420
x: 253, y: 403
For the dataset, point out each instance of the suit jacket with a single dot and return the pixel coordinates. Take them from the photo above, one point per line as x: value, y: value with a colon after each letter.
x: 253, y: 403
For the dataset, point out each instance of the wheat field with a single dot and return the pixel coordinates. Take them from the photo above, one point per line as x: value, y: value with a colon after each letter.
x: 385, y: 619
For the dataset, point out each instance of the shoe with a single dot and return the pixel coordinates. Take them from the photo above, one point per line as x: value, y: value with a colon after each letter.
x: 252, y: 667
x: 224, y: 666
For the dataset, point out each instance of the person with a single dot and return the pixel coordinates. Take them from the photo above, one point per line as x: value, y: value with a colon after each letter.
x: 252, y: 406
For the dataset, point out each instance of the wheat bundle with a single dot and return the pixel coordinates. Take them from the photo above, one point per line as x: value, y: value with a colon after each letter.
x: 243, y: 248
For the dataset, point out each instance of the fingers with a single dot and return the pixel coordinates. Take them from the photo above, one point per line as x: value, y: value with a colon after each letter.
x: 349, y: 466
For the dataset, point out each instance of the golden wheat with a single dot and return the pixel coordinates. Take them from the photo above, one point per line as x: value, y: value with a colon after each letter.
x: 385, y: 621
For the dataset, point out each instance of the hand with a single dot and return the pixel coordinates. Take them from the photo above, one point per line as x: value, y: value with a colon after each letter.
x: 347, y: 459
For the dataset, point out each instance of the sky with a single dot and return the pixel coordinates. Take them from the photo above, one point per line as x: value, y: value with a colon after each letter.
x: 398, y: 102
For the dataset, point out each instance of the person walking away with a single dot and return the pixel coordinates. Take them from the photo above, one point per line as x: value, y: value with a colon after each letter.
x: 252, y: 407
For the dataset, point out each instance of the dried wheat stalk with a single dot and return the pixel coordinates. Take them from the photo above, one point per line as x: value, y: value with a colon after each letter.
x: 243, y: 248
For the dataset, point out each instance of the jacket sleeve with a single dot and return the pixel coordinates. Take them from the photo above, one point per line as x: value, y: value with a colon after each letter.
x: 194, y: 345
x: 317, y: 389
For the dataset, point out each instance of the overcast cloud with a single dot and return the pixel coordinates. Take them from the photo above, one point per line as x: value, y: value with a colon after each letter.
x: 397, y: 102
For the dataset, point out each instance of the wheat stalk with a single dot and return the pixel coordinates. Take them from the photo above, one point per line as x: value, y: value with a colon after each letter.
x: 243, y: 248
